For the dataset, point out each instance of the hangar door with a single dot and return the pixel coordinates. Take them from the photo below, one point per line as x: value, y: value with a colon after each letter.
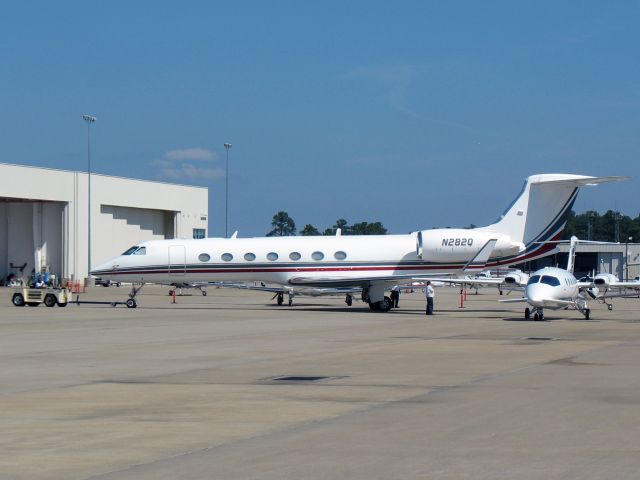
x: 177, y: 260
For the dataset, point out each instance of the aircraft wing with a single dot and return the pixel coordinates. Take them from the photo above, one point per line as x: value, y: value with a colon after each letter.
x: 514, y: 300
x: 338, y: 282
x: 469, y: 281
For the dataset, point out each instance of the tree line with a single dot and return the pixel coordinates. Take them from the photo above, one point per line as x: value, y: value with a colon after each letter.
x: 283, y: 225
x: 609, y: 227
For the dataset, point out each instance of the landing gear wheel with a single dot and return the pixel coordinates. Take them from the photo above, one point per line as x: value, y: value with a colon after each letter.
x: 536, y: 317
x: 204, y: 293
x: 587, y: 314
x: 610, y: 306
x: 349, y: 300
x: 18, y: 300
x: 381, y: 306
x: 280, y: 299
x: 290, y: 301
x: 527, y: 313
x: 50, y: 301
x: 372, y: 307
x: 542, y: 317
x: 131, y: 303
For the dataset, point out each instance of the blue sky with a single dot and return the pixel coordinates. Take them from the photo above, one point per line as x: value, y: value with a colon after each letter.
x: 415, y: 114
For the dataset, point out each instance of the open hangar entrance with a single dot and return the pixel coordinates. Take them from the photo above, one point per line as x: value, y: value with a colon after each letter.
x: 45, y: 216
x: 32, y: 237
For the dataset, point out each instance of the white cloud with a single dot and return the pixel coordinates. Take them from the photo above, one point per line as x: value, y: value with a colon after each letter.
x: 193, y: 154
x: 178, y: 165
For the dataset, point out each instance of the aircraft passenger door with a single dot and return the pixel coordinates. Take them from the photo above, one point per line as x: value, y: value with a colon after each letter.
x: 177, y: 260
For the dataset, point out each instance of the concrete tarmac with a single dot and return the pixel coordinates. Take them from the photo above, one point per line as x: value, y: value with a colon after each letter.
x: 191, y: 390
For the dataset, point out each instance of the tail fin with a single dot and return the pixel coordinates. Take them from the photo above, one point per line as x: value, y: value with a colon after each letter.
x: 541, y: 210
x: 572, y: 254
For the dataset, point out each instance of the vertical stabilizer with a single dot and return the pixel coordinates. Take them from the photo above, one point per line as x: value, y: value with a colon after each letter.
x: 540, y: 212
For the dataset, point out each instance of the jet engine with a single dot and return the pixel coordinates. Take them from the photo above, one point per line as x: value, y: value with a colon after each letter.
x: 516, y: 278
x: 604, y: 280
x: 460, y: 244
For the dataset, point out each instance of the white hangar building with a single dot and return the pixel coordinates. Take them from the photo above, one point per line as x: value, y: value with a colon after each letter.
x: 44, y: 218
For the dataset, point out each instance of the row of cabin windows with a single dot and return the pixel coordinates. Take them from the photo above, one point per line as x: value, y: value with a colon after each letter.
x: 273, y: 256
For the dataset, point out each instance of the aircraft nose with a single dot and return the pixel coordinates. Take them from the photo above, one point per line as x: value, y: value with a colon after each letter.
x: 536, y: 294
x: 104, y: 269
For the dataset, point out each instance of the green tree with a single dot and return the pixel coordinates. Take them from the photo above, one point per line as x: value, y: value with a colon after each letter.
x: 283, y: 225
x: 309, y: 230
x: 364, y: 228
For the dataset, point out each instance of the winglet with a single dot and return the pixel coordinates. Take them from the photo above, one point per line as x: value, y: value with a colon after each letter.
x: 478, y: 262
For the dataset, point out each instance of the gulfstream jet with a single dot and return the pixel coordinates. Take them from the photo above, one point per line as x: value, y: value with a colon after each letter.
x: 372, y: 262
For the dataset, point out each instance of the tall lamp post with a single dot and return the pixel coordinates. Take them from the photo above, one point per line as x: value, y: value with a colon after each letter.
x: 626, y: 257
x: 90, y: 119
x: 227, y: 147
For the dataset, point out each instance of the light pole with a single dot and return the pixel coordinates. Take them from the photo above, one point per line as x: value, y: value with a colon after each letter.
x: 89, y: 119
x: 227, y: 146
x: 626, y: 258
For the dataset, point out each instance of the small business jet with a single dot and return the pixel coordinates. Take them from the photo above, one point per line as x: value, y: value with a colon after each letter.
x: 556, y: 288
x: 372, y: 262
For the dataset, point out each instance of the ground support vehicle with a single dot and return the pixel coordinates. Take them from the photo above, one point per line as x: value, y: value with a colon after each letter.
x: 35, y: 296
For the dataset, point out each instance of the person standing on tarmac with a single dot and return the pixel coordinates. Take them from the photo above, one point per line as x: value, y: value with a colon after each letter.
x: 430, y: 294
x: 395, y: 296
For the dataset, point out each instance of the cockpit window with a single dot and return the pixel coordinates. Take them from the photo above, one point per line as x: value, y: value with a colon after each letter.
x: 131, y: 250
x: 549, y: 280
x: 140, y: 251
x: 534, y: 279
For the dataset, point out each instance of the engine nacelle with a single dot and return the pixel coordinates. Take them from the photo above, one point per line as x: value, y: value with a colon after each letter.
x: 604, y: 280
x: 516, y: 278
x: 460, y: 244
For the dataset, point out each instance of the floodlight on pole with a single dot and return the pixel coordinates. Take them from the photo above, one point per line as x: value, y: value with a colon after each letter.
x: 227, y: 147
x: 90, y: 119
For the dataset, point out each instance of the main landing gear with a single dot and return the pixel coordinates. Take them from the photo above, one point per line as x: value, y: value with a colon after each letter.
x: 349, y: 300
x: 382, y: 306
x: 280, y: 296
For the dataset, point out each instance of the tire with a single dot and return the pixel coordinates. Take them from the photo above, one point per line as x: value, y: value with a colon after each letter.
x: 542, y: 317
x: 610, y: 306
x: 280, y: 299
x: 536, y: 317
x: 383, y: 305
x: 527, y: 313
x: 349, y: 300
x: 33, y: 304
x: 50, y: 301
x: 587, y: 314
x: 18, y: 300
x: 63, y: 304
x: 131, y: 303
x: 204, y: 293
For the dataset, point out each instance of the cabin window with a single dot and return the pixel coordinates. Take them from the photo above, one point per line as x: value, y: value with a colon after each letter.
x: 317, y: 255
x: 273, y: 256
x: 549, y: 280
x: 340, y: 255
x: 227, y: 257
x: 131, y: 250
x: 534, y: 279
x: 141, y: 251
x: 204, y: 257
x: 249, y: 257
x: 295, y: 256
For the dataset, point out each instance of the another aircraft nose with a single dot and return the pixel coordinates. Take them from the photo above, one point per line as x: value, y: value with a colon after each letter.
x: 104, y: 269
x: 536, y: 294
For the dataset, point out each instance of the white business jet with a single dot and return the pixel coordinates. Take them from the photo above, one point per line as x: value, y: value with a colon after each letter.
x: 555, y: 288
x: 371, y: 262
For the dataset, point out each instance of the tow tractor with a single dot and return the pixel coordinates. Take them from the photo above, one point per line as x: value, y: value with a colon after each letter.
x: 35, y: 296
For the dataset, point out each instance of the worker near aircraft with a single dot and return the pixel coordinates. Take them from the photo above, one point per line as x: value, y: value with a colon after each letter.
x: 430, y: 294
x: 395, y: 296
